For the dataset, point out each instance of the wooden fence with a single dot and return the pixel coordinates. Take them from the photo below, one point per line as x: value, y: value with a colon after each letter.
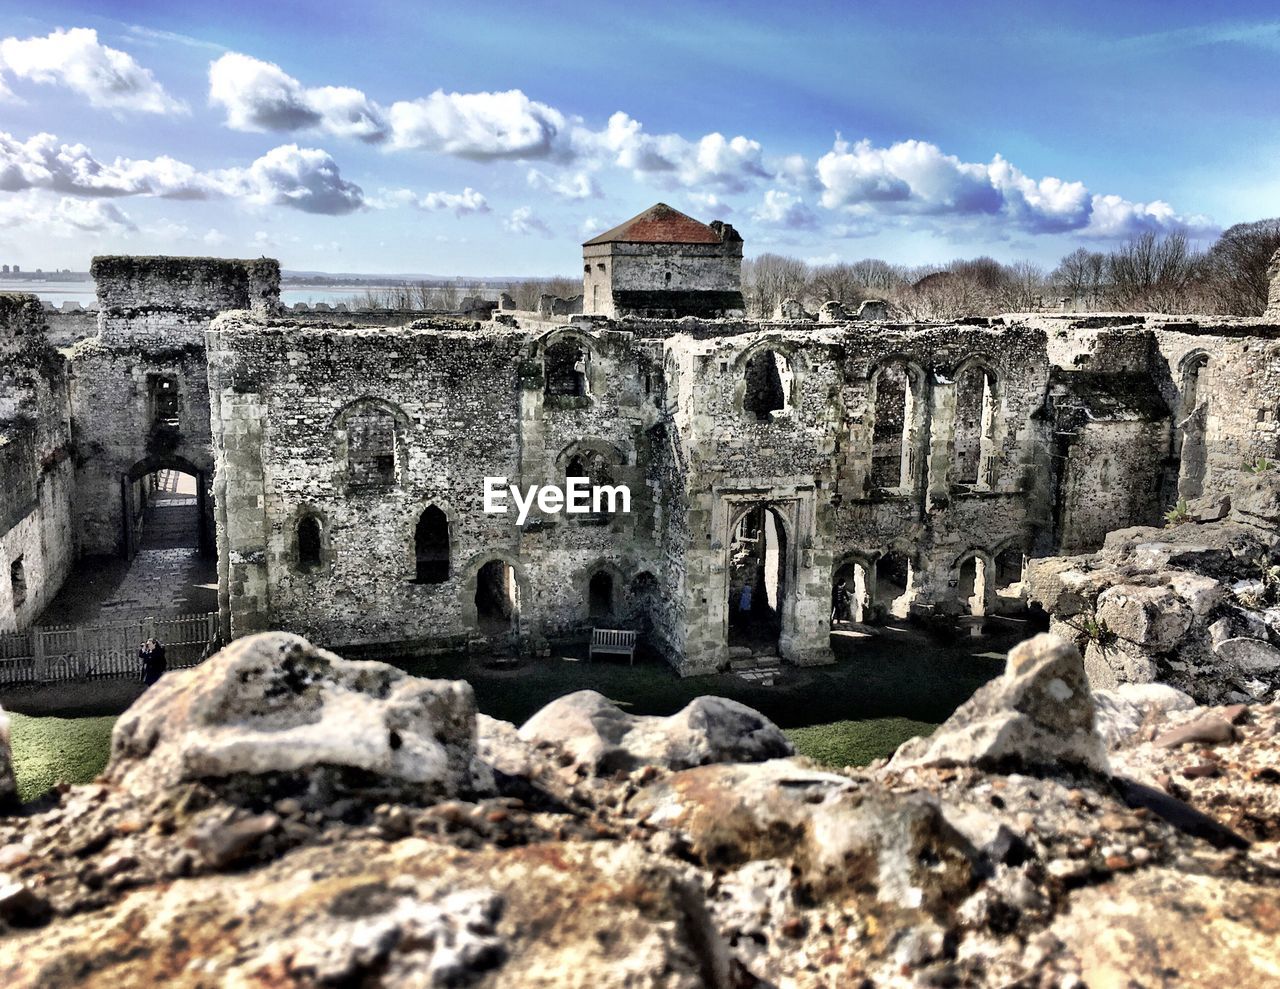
x: 70, y: 652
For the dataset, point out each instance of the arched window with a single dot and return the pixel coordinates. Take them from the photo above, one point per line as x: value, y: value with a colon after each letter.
x: 893, y: 428
x: 431, y: 547
x: 18, y: 581
x: 373, y: 446
x: 310, y: 544
x: 600, y: 595
x: 165, y: 404
x: 768, y: 379
x: 565, y: 370
x: 975, y: 427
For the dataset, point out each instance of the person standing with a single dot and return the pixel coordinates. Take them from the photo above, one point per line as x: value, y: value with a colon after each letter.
x: 153, y: 662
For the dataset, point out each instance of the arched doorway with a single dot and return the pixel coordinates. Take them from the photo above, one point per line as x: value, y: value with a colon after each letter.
x: 971, y: 586
x: 851, y: 594
x: 757, y: 579
x: 497, y: 597
x: 893, y: 584
x: 164, y: 505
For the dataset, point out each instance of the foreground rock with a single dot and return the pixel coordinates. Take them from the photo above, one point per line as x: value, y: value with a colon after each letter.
x: 1040, y: 713
x: 598, y: 734
x: 273, y: 703
x: 1194, y: 605
x: 234, y: 843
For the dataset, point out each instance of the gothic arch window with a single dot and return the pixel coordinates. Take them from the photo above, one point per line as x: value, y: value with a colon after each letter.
x: 374, y: 441
x: 431, y: 547
x: 565, y: 366
x: 309, y: 534
x: 975, y: 422
x: 768, y: 378
x: 897, y: 413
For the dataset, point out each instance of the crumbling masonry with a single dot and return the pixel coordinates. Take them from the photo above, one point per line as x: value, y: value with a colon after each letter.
x: 916, y: 465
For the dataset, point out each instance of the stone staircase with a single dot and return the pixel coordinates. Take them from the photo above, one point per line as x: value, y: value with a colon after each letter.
x: 761, y: 668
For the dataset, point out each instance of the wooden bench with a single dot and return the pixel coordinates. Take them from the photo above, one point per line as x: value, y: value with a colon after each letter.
x: 613, y: 642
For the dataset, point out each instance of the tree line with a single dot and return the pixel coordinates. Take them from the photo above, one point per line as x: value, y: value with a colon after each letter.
x: 1149, y: 272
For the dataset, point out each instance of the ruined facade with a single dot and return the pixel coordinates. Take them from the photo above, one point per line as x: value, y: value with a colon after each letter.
x: 664, y: 264
x: 782, y: 473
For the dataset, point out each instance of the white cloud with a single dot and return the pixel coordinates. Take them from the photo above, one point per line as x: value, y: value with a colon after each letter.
x: 1114, y: 217
x: 462, y: 203
x: 214, y: 237
x: 523, y: 221
x: 910, y: 182
x: 107, y: 77
x: 306, y: 179
x: 482, y: 126
x: 64, y: 216
x: 782, y: 209
x: 915, y: 178
x: 574, y: 188
x: 709, y: 202
x: 591, y: 226
x: 41, y: 162
x: 725, y: 164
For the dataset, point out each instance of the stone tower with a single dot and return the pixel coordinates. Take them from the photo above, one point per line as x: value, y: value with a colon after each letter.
x: 662, y: 263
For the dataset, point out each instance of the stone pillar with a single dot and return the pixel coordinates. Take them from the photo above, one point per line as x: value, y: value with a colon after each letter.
x: 239, y: 488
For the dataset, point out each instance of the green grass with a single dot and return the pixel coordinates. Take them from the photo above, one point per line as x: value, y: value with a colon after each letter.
x: 48, y: 751
x: 880, y: 692
x: 855, y: 743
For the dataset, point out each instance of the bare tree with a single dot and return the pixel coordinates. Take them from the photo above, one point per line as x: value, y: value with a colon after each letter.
x: 1237, y: 266
x: 1162, y: 274
x: 769, y: 279
x: 1021, y: 289
x: 1082, y: 276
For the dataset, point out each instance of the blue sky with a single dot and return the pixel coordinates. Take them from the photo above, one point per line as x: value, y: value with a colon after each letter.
x: 492, y: 138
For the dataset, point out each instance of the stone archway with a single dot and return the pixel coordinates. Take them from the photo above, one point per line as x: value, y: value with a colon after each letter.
x: 138, y: 492
x: 758, y: 572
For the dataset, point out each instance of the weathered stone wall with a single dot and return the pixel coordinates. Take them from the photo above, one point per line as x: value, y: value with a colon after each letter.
x: 466, y: 406
x: 127, y: 282
x: 36, y: 474
x: 152, y: 316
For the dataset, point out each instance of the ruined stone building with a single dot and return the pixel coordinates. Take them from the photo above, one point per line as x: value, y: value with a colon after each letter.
x: 910, y: 466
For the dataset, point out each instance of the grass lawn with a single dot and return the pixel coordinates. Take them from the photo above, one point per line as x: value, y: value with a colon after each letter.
x: 880, y: 692
x: 855, y: 743
x: 47, y: 751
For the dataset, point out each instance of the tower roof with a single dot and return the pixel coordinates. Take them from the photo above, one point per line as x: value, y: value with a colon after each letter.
x: 659, y: 224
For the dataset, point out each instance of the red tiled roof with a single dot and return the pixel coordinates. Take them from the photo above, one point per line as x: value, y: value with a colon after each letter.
x: 659, y: 224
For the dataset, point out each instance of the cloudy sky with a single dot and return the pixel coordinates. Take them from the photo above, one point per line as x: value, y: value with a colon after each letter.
x: 492, y: 138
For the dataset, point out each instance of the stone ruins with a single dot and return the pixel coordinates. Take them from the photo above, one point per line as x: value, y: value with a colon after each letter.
x: 1104, y: 813
x: 341, y: 457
